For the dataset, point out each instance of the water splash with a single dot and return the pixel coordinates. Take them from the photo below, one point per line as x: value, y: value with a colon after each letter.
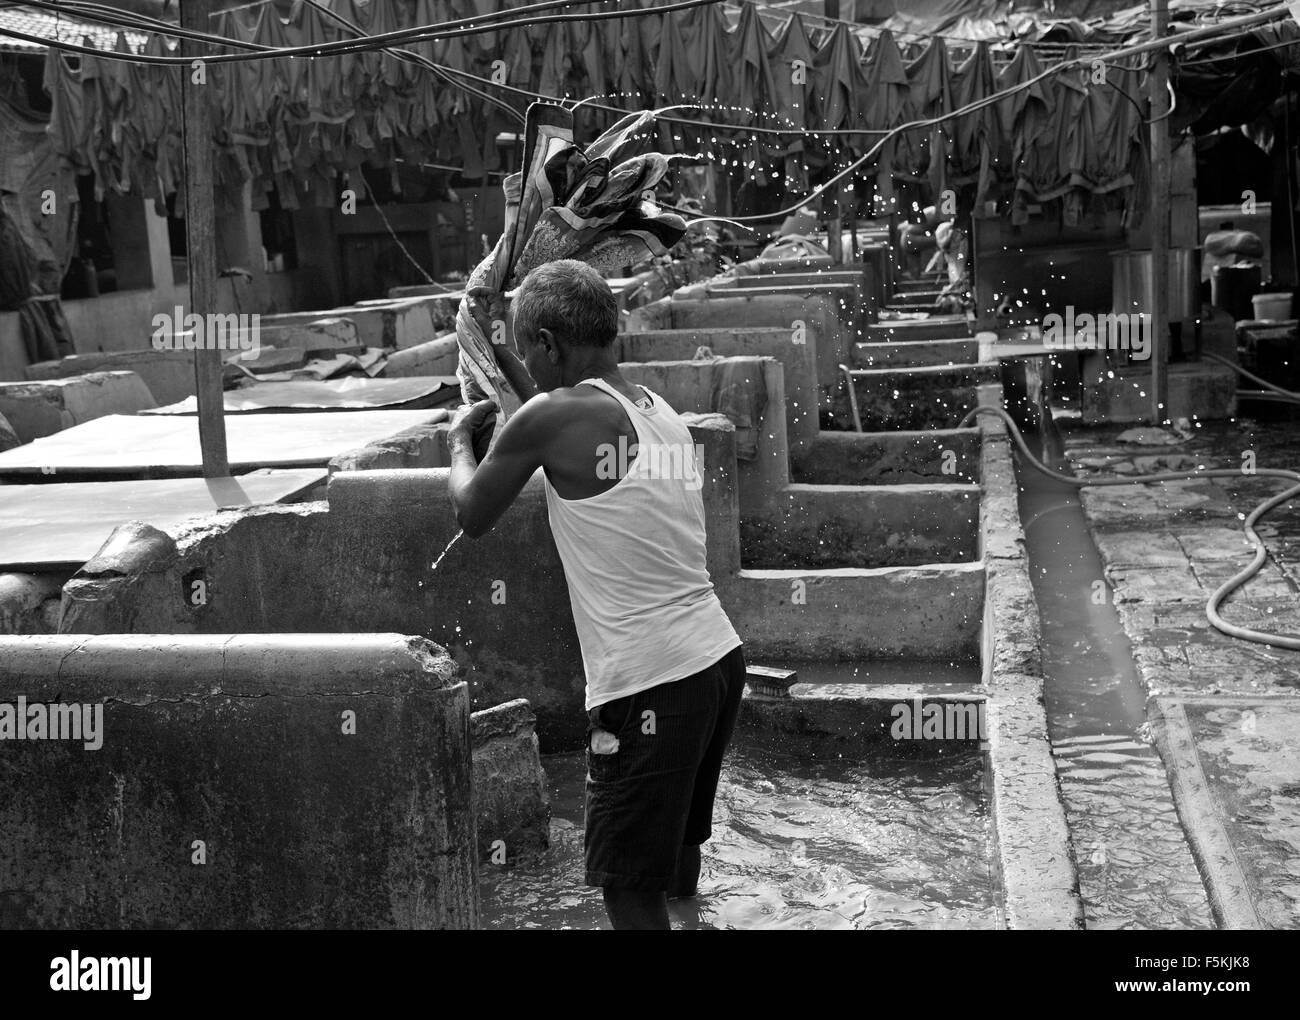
x: 454, y: 539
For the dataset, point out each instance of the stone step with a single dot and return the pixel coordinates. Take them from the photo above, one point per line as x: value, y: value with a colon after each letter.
x: 908, y: 353
x: 927, y: 397
x: 913, y: 286
x: 936, y: 327
x: 932, y: 612
x: 933, y: 457
x: 888, y: 717
x: 822, y: 526
x: 921, y: 304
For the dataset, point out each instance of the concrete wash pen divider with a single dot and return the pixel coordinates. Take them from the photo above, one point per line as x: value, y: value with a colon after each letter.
x: 243, y: 781
x: 359, y: 562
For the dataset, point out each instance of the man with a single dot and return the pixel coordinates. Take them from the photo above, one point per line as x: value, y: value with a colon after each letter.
x: 664, y: 667
x: 916, y: 239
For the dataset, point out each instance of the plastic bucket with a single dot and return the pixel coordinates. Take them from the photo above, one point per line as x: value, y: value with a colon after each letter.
x: 1232, y: 287
x: 1273, y: 307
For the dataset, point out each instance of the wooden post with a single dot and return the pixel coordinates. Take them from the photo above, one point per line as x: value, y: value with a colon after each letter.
x: 201, y: 238
x: 1160, y: 189
x: 832, y: 206
x: 834, y: 224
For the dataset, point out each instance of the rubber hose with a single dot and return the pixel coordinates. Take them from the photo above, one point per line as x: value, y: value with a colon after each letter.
x: 1237, y: 580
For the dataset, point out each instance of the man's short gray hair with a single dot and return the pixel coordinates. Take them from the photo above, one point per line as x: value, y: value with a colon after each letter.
x: 570, y: 299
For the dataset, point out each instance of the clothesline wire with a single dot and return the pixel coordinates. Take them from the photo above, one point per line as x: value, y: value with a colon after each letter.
x: 1241, y: 55
x: 424, y: 33
x: 974, y: 107
x: 863, y: 32
x: 112, y: 15
x: 875, y: 31
x: 503, y: 14
x: 442, y: 70
x: 241, y: 7
x: 713, y: 124
x: 502, y: 20
x: 389, y: 227
x: 129, y: 22
x: 422, y: 61
x: 971, y: 107
x: 385, y: 40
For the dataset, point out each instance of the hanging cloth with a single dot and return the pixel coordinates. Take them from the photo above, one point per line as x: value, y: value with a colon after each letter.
x: 754, y: 90
x: 1026, y: 125
x: 67, y: 129
x: 975, y: 135
x: 424, y: 118
x: 709, y: 61
x: 931, y: 96
x: 888, y: 98
x: 121, y: 141
x: 639, y: 42
x: 1121, y: 138
x: 674, y: 80
x: 161, y: 118
x: 841, y: 82
x: 792, y: 58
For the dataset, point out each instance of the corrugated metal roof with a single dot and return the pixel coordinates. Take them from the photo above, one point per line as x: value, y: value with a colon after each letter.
x: 62, y: 27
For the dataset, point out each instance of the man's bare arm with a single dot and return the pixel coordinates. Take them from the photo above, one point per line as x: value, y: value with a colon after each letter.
x: 481, y: 493
x: 516, y: 372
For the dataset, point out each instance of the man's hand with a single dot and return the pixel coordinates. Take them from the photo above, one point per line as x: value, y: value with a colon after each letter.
x: 472, y: 425
x: 482, y: 488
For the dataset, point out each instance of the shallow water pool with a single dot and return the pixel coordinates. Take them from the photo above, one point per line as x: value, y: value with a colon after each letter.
x: 807, y: 840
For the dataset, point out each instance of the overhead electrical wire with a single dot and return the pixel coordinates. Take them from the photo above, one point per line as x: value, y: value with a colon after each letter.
x: 1241, y: 54
x: 372, y: 42
x: 502, y: 20
x: 1204, y: 36
x: 421, y: 61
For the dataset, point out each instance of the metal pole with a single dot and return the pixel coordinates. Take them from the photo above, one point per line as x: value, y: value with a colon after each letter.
x: 201, y: 239
x: 1160, y: 189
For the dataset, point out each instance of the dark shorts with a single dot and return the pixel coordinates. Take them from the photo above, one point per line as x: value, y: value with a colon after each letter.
x: 654, y: 793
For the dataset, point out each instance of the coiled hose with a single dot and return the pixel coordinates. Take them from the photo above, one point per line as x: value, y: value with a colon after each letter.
x: 1261, y: 551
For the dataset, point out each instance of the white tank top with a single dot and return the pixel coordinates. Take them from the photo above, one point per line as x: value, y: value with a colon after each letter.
x: 634, y: 558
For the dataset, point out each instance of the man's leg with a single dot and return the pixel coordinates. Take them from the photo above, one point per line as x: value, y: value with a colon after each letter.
x: 640, y: 781
x: 686, y: 879
x: 635, y: 910
x: 699, y: 822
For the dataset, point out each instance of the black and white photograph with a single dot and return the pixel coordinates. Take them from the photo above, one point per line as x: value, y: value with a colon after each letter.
x: 649, y: 465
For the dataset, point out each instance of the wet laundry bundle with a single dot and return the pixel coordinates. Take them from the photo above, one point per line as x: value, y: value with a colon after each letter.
x: 593, y: 204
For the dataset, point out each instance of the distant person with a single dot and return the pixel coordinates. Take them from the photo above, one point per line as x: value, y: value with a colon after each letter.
x: 916, y: 239
x: 629, y: 525
x: 951, y: 256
